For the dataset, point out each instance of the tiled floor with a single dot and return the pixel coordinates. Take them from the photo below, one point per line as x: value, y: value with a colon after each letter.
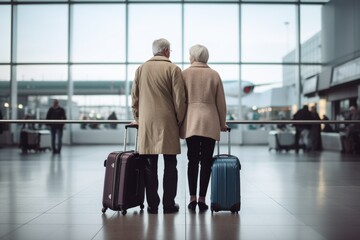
x: 285, y: 196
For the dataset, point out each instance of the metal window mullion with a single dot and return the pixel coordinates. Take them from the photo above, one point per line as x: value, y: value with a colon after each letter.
x: 240, y: 117
x: 298, y: 42
x: 127, y: 84
x: 69, y: 73
x: 13, y: 54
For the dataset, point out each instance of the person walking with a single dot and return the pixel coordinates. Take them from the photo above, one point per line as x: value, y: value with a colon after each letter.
x: 159, y: 105
x: 205, y: 118
x: 56, y: 113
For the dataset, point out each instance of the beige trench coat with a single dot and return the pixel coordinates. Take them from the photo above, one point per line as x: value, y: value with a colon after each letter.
x: 159, y: 105
x: 206, y: 110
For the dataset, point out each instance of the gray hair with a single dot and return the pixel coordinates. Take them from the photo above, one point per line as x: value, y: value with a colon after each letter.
x: 200, y: 53
x: 159, y: 45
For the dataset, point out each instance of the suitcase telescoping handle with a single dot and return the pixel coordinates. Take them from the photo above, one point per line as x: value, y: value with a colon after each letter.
x: 136, y: 126
x: 229, y: 148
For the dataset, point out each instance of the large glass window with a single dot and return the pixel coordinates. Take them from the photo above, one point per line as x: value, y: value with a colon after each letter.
x: 315, y: 1
x: 310, y: 34
x: 269, y: 0
x: 98, y: 33
x: 148, y: 22
x: 4, y: 73
x: 97, y: 72
x: 268, y: 32
x: 42, y: 33
x: 264, y: 77
x: 219, y: 32
x: 41, y: 73
x: 254, y: 44
x: 5, y: 33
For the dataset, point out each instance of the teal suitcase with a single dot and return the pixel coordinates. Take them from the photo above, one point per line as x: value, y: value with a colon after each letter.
x: 225, y: 182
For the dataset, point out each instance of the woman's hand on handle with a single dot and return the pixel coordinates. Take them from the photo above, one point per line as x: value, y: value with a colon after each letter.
x: 224, y: 128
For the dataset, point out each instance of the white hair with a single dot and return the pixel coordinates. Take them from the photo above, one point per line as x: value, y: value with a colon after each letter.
x: 200, y: 53
x: 159, y: 45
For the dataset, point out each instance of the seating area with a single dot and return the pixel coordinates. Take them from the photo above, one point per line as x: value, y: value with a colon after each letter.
x: 285, y: 196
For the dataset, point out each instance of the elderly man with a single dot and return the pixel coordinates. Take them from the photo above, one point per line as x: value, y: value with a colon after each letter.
x: 159, y: 105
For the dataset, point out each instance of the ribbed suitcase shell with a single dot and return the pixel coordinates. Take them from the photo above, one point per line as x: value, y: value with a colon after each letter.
x: 124, y: 181
x: 124, y: 185
x: 225, y: 182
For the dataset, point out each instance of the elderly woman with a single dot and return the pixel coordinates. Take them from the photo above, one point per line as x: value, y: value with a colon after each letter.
x: 205, y: 118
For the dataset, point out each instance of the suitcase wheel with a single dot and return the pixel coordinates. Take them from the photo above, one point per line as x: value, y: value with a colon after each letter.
x: 103, y: 210
x: 123, y: 212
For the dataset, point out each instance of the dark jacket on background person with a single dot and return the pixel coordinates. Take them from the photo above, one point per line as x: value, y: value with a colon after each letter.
x: 315, y: 131
x: 302, y: 114
x: 57, y: 113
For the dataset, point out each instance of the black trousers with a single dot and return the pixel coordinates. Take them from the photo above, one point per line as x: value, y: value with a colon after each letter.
x: 170, y: 180
x: 200, y: 150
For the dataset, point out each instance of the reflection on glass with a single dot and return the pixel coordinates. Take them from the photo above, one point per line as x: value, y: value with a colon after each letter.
x: 310, y: 33
x: 40, y: 0
x: 4, y: 73
x: 5, y: 33
x: 4, y: 83
x: 41, y: 73
x: 268, y: 32
x: 309, y: 70
x: 227, y: 71
x: 98, y: 0
x: 266, y: 76
x: 97, y: 72
x: 274, y: 93
x: 98, y: 33
x: 207, y: 25
x: 98, y: 107
x: 271, y: 1
x: 145, y: 25
x: 42, y: 33
x: 315, y: 1
x: 131, y: 68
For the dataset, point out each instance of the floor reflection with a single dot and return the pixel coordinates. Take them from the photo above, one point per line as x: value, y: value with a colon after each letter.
x: 284, y: 197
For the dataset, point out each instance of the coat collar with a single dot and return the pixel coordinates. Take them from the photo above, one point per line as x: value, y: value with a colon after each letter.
x: 199, y: 65
x: 159, y: 58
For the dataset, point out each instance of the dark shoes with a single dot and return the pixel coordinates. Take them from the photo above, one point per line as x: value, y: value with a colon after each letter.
x: 152, y: 210
x: 203, y: 206
x: 192, y: 206
x: 172, y: 209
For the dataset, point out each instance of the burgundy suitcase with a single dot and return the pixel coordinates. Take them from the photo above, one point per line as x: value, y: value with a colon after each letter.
x: 124, y: 185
